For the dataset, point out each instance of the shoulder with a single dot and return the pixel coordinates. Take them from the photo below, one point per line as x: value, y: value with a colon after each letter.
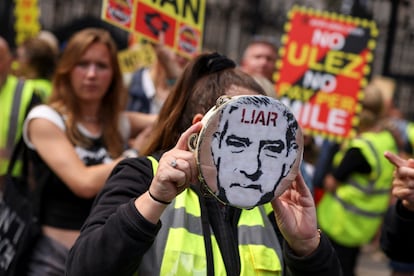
x: 130, y: 178
x: 138, y: 169
x: 44, y: 112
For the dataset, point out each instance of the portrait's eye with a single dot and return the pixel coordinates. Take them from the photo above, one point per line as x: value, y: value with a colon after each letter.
x: 273, y: 149
x: 237, y: 144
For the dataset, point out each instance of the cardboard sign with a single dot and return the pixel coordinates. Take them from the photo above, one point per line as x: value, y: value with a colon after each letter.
x: 182, y: 21
x: 323, y: 68
x: 27, y: 23
x: 132, y: 59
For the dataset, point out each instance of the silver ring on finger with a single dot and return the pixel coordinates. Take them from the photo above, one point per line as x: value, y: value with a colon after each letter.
x: 173, y: 163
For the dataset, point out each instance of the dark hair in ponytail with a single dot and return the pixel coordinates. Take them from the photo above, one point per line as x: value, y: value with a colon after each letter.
x: 204, y: 80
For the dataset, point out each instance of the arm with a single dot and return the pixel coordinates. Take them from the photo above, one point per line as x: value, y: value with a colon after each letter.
x: 403, y: 182
x: 167, y: 58
x: 115, y: 236
x: 397, y: 239
x: 57, y: 151
x: 125, y: 218
x: 353, y: 161
x: 306, y: 251
x: 140, y: 121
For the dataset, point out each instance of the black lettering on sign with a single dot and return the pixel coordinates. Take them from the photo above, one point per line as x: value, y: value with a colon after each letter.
x: 258, y: 117
x: 195, y: 11
x: 191, y: 6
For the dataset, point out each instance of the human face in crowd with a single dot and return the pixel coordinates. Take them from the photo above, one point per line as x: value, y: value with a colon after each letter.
x: 93, y: 73
x: 259, y: 60
x: 5, y: 61
x: 255, y: 157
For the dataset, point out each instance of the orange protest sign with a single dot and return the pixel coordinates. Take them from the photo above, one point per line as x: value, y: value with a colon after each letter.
x: 323, y: 67
x: 182, y: 21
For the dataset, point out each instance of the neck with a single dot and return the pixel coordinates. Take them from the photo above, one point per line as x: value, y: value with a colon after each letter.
x: 90, y: 119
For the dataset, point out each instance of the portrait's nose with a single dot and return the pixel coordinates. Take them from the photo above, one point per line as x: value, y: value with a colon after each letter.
x: 253, y: 169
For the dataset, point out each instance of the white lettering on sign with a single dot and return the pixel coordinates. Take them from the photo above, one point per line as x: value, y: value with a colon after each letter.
x: 319, y: 81
x: 309, y: 114
x: 332, y: 40
x: 11, y: 229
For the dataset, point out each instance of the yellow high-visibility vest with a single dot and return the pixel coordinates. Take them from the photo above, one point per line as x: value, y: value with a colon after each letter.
x: 7, y: 99
x: 179, y: 248
x: 352, y: 214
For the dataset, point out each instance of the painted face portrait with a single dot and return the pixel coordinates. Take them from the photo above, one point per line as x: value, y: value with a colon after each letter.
x: 249, y: 150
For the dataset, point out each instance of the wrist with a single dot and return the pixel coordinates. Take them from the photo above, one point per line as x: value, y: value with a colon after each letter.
x: 156, y: 199
x: 408, y: 205
x: 305, y: 248
x: 130, y: 153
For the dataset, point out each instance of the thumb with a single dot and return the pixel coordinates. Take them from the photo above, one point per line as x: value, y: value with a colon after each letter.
x: 182, y: 142
x: 410, y: 163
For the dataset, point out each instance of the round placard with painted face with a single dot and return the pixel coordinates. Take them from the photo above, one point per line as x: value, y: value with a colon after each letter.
x: 249, y: 150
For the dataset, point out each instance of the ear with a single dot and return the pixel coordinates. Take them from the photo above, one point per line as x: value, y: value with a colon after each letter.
x: 197, y: 118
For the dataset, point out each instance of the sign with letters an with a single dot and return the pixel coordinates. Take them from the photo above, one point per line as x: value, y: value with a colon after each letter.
x: 323, y: 68
x: 182, y: 21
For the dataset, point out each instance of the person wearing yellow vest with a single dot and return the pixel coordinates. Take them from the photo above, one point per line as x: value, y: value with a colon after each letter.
x: 397, y: 239
x: 153, y: 218
x: 16, y: 96
x: 357, y: 190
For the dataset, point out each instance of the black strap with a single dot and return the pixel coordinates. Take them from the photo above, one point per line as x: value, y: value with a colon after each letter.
x: 14, y: 115
x: 19, y: 148
x: 206, y: 233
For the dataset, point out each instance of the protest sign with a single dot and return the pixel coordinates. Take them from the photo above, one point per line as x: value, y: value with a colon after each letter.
x: 323, y: 68
x: 132, y: 59
x: 182, y: 21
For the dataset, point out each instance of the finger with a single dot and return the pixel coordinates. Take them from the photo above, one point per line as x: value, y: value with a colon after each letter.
x: 403, y: 193
x: 395, y: 159
x: 161, y: 38
x: 301, y: 186
x: 182, y: 142
x: 405, y: 172
x: 184, y: 166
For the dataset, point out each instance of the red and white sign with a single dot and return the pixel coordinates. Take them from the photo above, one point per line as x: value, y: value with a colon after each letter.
x: 323, y: 68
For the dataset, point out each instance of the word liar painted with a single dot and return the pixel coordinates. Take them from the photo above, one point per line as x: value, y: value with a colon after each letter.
x: 258, y: 117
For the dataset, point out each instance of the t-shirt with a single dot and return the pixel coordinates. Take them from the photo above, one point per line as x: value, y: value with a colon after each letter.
x: 59, y: 206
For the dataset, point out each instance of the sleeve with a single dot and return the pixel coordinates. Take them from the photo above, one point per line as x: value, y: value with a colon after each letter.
x: 353, y: 161
x: 322, y: 262
x: 397, y: 238
x: 115, y: 236
x: 44, y: 112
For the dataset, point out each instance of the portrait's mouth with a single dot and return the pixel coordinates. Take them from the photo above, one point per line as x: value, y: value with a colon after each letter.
x: 251, y: 186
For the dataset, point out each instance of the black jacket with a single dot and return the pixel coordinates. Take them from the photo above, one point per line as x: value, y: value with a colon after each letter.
x: 397, y: 234
x: 115, y: 236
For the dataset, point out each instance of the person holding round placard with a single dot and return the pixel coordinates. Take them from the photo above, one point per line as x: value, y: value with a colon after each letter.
x: 155, y: 217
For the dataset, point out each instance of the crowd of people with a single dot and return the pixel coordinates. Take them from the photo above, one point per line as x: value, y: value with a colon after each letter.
x: 120, y: 190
